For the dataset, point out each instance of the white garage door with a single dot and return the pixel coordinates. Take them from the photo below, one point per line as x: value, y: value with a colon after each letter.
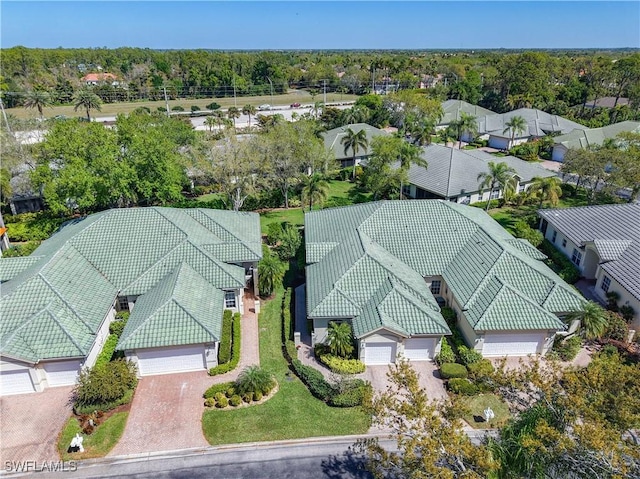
x: 61, y: 373
x: 15, y: 382
x: 512, y: 344
x: 171, y: 360
x: 379, y: 353
x: 419, y: 349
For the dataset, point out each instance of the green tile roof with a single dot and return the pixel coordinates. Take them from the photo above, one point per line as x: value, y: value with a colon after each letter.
x: 183, y: 308
x: 356, y: 252
x: 55, y: 300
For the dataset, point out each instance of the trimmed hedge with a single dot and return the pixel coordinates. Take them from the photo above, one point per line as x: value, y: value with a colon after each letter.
x: 560, y: 263
x: 462, y: 386
x: 224, y: 350
x: 105, y: 406
x: 446, y: 354
x: 468, y: 356
x: 235, y: 350
x: 342, y: 366
x: 354, y: 396
x: 217, y: 388
x: 453, y: 370
x: 290, y: 351
x: 106, y: 384
x: 480, y: 370
x: 107, y: 350
x: 567, y: 350
x: 313, y: 379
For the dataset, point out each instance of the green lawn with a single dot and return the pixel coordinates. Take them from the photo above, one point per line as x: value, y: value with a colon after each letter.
x: 294, y: 216
x: 292, y: 413
x: 477, y: 405
x: 97, y: 444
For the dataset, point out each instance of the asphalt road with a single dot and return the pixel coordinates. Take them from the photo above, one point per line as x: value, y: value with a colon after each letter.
x: 322, y: 458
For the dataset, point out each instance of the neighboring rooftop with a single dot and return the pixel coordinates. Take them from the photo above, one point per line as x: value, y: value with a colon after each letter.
x: 333, y: 139
x: 605, y: 102
x: 539, y: 123
x: 372, y: 258
x: 54, y: 301
x: 577, y: 139
x: 453, y: 108
x: 615, y: 232
x: 452, y: 172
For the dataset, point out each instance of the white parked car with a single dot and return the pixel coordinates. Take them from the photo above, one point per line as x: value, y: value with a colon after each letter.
x: 264, y: 107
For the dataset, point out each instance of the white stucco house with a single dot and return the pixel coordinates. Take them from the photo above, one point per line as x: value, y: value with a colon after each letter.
x: 175, y: 270
x: 386, y: 267
x: 604, y: 243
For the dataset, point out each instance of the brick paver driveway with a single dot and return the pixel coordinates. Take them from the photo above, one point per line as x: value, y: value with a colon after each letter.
x: 166, y: 413
x: 30, y: 424
x: 428, y: 378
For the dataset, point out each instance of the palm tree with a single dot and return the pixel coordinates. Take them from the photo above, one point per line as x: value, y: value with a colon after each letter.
x: 233, y: 113
x: 421, y: 133
x: 218, y: 118
x: 356, y: 114
x: 254, y: 379
x: 517, y: 125
x: 85, y: 98
x: 316, y: 108
x: 340, y: 339
x: 355, y: 141
x: 547, y: 189
x: 466, y: 123
x: 409, y: 155
x: 37, y: 99
x: 499, y: 175
x: 210, y: 122
x: 270, y: 272
x: 592, y: 318
x: 249, y: 110
x: 315, y: 189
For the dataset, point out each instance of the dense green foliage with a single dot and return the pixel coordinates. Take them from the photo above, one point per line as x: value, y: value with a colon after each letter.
x: 446, y: 354
x: 341, y: 365
x: 224, y: 348
x: 560, y: 263
x: 453, y: 370
x: 462, y: 386
x: 270, y: 272
x: 254, y: 379
x: 235, y: 350
x: 566, y: 349
x: 105, y: 385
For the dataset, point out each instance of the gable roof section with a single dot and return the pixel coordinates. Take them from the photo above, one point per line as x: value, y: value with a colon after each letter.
x: 577, y: 139
x: 452, y: 108
x: 183, y: 308
x: 614, y: 231
x: 539, y: 123
x: 333, y: 139
x: 374, y: 274
x: 451, y: 172
x: 56, y: 300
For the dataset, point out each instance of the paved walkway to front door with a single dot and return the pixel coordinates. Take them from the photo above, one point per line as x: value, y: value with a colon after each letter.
x: 166, y: 413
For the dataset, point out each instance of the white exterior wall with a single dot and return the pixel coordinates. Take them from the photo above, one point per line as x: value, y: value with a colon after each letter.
x: 239, y: 293
x: 625, y: 297
x: 567, y: 250
x: 36, y: 374
x: 320, y: 327
x: 101, y: 338
x: 61, y: 368
x: 505, y: 143
x: 379, y: 337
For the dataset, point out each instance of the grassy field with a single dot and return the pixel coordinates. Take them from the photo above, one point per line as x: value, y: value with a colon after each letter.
x: 478, y: 404
x: 109, y: 109
x: 292, y: 413
x: 97, y: 444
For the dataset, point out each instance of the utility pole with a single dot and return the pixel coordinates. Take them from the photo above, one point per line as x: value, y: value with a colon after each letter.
x: 324, y: 85
x: 166, y: 100
x: 373, y: 81
x: 235, y: 100
x: 271, y: 84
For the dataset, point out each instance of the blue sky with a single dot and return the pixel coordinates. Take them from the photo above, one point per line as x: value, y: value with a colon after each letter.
x: 318, y: 25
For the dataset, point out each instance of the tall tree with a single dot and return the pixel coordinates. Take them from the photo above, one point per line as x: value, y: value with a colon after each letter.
x: 408, y: 155
x: 86, y: 99
x: 233, y: 113
x: 38, y: 99
x: 498, y: 176
x: 516, y: 125
x: 250, y: 111
x: 340, y: 339
x: 270, y: 272
x: 547, y: 189
x: 355, y: 142
x: 210, y: 121
x: 315, y: 189
x: 430, y: 440
x: 466, y: 124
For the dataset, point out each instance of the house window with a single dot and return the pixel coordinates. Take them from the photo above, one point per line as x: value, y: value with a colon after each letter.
x: 564, y: 243
x: 554, y: 236
x: 521, y: 187
x: 123, y: 304
x: 435, y: 286
x: 495, y: 194
x: 576, y: 257
x: 229, y: 299
x: 606, y: 283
